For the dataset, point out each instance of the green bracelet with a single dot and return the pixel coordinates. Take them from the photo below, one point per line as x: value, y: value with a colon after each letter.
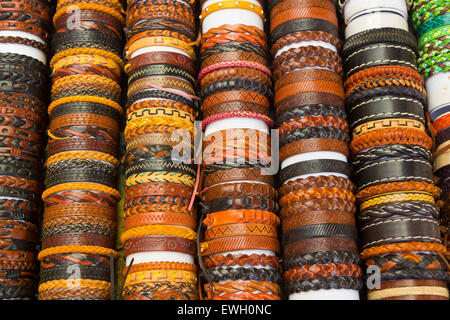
x: 429, y: 10
x: 432, y: 54
x: 434, y: 23
x: 440, y: 56
x: 437, y: 43
x: 433, y: 34
x: 437, y: 68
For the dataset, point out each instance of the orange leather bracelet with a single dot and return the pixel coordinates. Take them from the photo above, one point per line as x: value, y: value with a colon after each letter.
x: 160, y: 218
x: 241, y: 216
x: 240, y: 229
x: 303, y: 12
x: 315, y: 193
x: 239, y: 243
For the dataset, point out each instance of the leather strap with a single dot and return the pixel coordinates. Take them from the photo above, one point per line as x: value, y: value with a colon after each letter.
x: 237, y: 175
x: 317, y: 217
x: 319, y: 244
x: 319, y: 231
x: 246, y: 189
x: 313, y: 145
x: 303, y: 25
x: 159, y: 243
x: 313, y: 166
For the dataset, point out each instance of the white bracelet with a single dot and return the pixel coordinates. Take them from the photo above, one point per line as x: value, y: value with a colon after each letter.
x: 375, y: 20
x: 353, y: 7
x: 157, y: 49
x: 315, y: 155
x: 326, y: 294
x: 159, y: 256
x: 236, y: 123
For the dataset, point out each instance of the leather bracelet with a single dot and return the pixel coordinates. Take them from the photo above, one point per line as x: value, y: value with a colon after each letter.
x: 240, y: 229
x: 313, y: 77
x: 160, y: 275
x: 231, y: 287
x: 390, y: 136
x: 161, y: 291
x: 159, y: 69
x: 26, y: 7
x: 402, y: 247
x: 157, y: 189
x: 315, y: 193
x: 160, y: 94
x: 235, y: 106
x: 74, y: 294
x: 345, y: 282
x: 218, y: 260
x: 159, y: 243
x: 321, y: 132
x: 319, y: 231
x: 80, y: 239
x: 433, y: 292
x: 387, y: 107
x: 299, y: 36
x: 313, y: 121
x: 398, y: 186
x: 78, y: 208
x: 317, y: 217
x: 319, y: 244
x: 17, y: 244
x: 156, y: 165
x: 158, y: 12
x: 334, y: 64
x: 25, y: 27
x: 313, y: 166
x: 235, y: 95
x: 91, y: 273
x: 406, y: 229
x: 306, y: 100
x: 236, y: 46
x: 322, y: 270
x: 408, y: 260
x: 382, y: 35
x: 310, y: 110
x: 240, y: 202
x: 82, y: 175
x: 85, y: 38
x: 85, y: 107
x: 147, y: 141
x: 395, y: 170
x: 161, y: 266
x: 371, y: 55
x: 237, y: 175
x: 18, y: 193
x: 236, y: 84
x: 162, y: 24
x: 307, y: 24
x: 159, y: 58
x: 231, y: 56
x: 172, y: 83
x: 153, y: 199
x: 312, y: 145
x: 67, y: 145
x: 324, y: 257
x: 153, y: 152
x: 401, y: 209
x: 316, y: 182
x: 239, y: 243
x: 247, y: 189
x: 222, y: 218
x: 254, y: 274
x: 236, y: 73
x: 159, y: 218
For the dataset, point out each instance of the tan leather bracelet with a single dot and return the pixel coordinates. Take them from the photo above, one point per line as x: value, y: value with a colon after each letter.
x: 240, y: 229
x: 319, y: 204
x: 408, y: 291
x: 441, y: 161
x: 316, y: 182
x: 162, y: 81
x: 241, y: 216
x: 237, y: 174
x: 317, y: 217
x: 171, y: 58
x: 305, y: 36
x: 292, y: 4
x: 309, y: 86
x: 243, y: 188
x: 161, y: 218
x: 165, y: 139
x: 312, y: 145
x: 236, y: 72
x: 239, y: 243
x: 307, y: 75
x: 303, y: 12
x: 334, y: 64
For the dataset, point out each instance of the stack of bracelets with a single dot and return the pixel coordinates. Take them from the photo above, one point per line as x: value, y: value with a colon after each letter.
x: 385, y: 96
x: 240, y: 242
x: 24, y: 33
x: 320, y: 253
x: 431, y: 20
x: 159, y: 237
x: 78, y: 233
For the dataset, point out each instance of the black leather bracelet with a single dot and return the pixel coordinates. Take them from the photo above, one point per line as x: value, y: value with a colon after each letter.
x: 86, y: 92
x: 419, y: 260
x: 398, y: 209
x: 160, y: 70
x: 18, y: 292
x: 78, y: 228
x: 85, y: 107
x: 399, y: 230
x: 303, y: 25
x: 26, y: 61
x: 18, y: 245
x: 10, y: 86
x: 382, y: 35
x: 74, y: 272
x: 247, y: 273
x: 386, y: 107
x: 319, y: 231
x: 81, y: 175
x: 442, y: 136
x: 152, y: 152
x: 13, y: 71
x: 344, y: 282
x: 16, y: 171
x: 310, y: 110
x: 322, y: 257
x: 398, y: 91
x: 68, y: 260
x: 392, y: 170
x: 314, y: 166
x: 235, y: 46
x: 19, y: 210
x: 239, y: 202
x: 438, y: 112
x: 416, y: 274
x: 162, y: 95
x: 379, y: 54
x: 212, y: 168
x: 313, y: 132
x: 386, y: 152
x: 86, y: 36
x: 236, y: 84
x: 160, y: 165
x: 158, y: 24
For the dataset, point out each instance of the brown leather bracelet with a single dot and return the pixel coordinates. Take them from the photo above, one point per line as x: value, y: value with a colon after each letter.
x: 309, y: 86
x: 241, y: 216
x: 410, y: 283
x: 168, y: 82
x: 307, y: 75
x: 21, y: 183
x: 24, y: 41
x: 312, y: 145
x: 78, y: 209
x: 309, y: 98
x: 159, y: 243
x: 25, y: 27
x: 90, y: 15
x: 171, y: 58
x: 232, y: 55
x: 317, y: 217
x: 306, y: 36
x: 17, y: 256
x: 161, y: 218
x: 291, y: 4
x: 316, y: 182
x: 334, y: 64
x: 240, y: 229
x: 58, y: 146
x: 158, y: 189
x: 84, y: 119
x: 235, y: 106
x: 66, y: 293
x: 303, y: 12
x: 82, y: 239
x: 220, y: 260
x: 243, y: 188
x: 319, y: 244
x: 323, y: 270
x: 21, y: 112
x: 29, y: 7
x: 144, y: 13
x: 236, y: 72
x: 309, y: 51
x: 315, y: 193
x: 313, y: 121
x: 239, y: 243
x: 237, y: 174
x: 14, y: 132
x: 235, y: 95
